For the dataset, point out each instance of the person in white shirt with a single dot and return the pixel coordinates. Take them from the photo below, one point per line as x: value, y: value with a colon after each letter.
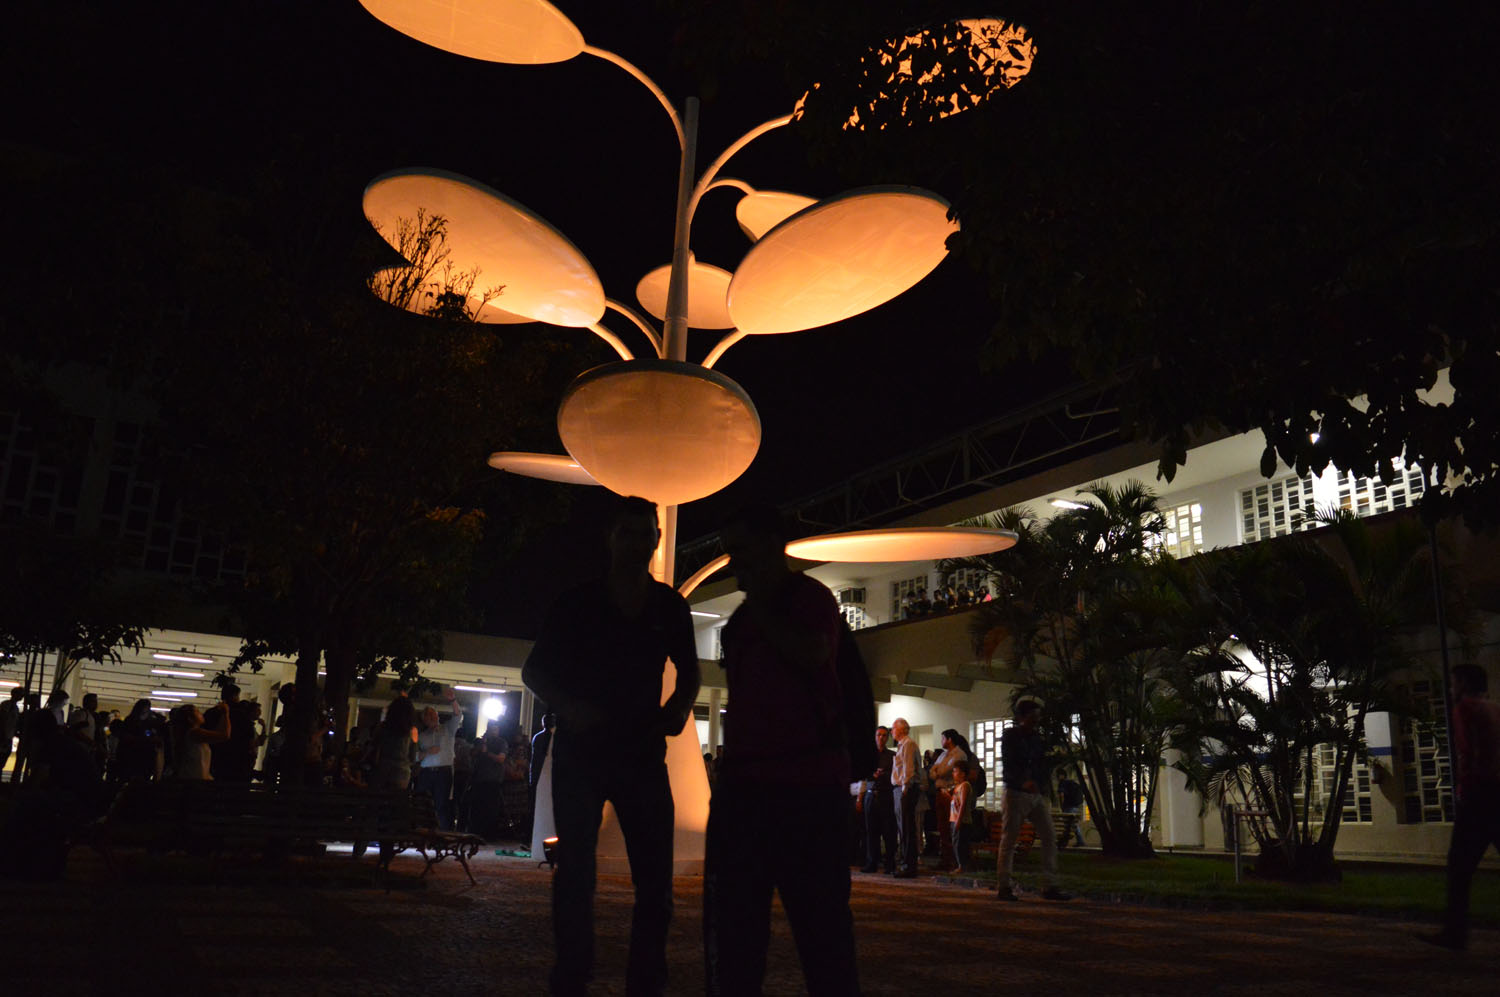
x: 435, y: 756
x: 906, y: 783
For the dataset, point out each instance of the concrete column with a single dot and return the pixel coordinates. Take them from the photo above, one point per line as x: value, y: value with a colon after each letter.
x: 714, y: 698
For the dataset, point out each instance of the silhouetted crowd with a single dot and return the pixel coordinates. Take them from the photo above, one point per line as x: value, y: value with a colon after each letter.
x: 943, y: 599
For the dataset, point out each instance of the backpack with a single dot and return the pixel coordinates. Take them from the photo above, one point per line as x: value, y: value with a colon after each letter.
x: 856, y: 722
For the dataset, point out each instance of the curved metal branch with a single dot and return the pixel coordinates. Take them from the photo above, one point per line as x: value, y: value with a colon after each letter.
x: 735, y: 335
x: 639, y: 322
x: 730, y: 182
x: 612, y: 340
x: 697, y: 578
x: 708, y: 175
x: 633, y: 70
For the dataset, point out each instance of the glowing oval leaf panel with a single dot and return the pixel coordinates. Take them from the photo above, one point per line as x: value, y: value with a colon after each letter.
x: 921, y: 543
x: 760, y: 212
x: 549, y: 467
x: 546, y: 278
x: 840, y: 257
x: 668, y: 431
x: 527, y: 32
x: 708, y: 293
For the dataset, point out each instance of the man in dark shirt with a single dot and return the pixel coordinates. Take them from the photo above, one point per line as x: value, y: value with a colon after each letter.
x: 1476, y: 825
x: 598, y: 664
x: 1023, y: 761
x: 779, y: 814
x: 879, y: 806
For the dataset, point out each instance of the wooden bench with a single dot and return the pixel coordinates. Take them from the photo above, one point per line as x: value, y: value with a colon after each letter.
x: 1062, y: 823
x: 216, y: 817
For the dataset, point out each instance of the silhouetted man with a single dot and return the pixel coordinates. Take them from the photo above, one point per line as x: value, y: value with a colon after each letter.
x: 1476, y: 825
x: 1023, y: 758
x: 777, y: 821
x: 879, y: 806
x: 598, y: 664
x: 10, y: 724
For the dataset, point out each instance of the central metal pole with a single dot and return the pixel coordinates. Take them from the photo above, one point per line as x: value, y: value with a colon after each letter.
x: 674, y: 346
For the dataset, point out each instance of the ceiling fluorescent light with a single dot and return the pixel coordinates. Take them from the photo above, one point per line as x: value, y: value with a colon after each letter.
x: 177, y: 673
x: 1061, y: 503
x: 173, y: 694
x: 481, y: 688
x: 711, y: 616
x: 192, y: 659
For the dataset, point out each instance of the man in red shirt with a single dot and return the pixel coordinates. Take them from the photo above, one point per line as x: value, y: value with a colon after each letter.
x: 1476, y: 826
x: 780, y: 807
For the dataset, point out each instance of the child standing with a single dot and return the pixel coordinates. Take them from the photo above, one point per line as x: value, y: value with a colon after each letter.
x: 961, y: 813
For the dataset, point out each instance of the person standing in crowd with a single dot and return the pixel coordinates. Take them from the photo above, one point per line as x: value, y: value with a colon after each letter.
x: 192, y: 738
x: 879, y: 806
x: 392, y: 746
x: 942, y: 780
x: 57, y: 705
x: 599, y: 662
x: 1070, y: 801
x: 83, y: 720
x: 488, y: 760
x: 1023, y: 756
x: 906, y: 783
x: 777, y: 818
x: 1476, y: 825
x: 960, y: 815
x: 10, y: 723
x: 135, y: 758
x: 435, y: 757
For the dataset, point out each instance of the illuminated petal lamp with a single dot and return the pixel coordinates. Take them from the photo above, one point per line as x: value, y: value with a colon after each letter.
x: 840, y: 257
x: 526, y: 32
x: 708, y: 292
x: 966, y: 62
x: 546, y: 278
x: 916, y: 543
x: 548, y: 467
x: 668, y: 431
x: 763, y: 210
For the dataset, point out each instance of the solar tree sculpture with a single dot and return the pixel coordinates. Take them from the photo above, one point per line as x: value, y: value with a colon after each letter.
x: 663, y: 427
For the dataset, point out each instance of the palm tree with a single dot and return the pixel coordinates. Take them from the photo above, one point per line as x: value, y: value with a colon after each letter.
x: 1077, y: 610
x: 1287, y: 646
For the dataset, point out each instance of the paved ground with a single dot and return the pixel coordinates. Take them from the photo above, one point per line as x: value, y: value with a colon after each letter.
x: 320, y: 928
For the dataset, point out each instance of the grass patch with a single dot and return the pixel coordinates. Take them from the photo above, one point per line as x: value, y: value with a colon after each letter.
x: 1386, y: 889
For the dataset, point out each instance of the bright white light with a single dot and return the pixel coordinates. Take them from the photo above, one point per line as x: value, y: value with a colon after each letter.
x: 160, y: 709
x: 492, y: 708
x: 1313, y: 437
x: 173, y: 694
x: 711, y: 616
x: 1061, y: 503
x: 175, y: 672
x: 477, y: 688
x: 189, y: 658
x: 11, y: 685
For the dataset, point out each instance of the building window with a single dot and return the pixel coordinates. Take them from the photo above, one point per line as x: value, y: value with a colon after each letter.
x: 1357, y: 804
x: 1182, y: 530
x: 855, y: 616
x: 1427, y: 785
x: 1280, y: 507
x: 899, y: 591
x: 984, y: 738
x: 974, y: 579
x: 719, y: 643
x: 1371, y: 497
x: 1275, y: 508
